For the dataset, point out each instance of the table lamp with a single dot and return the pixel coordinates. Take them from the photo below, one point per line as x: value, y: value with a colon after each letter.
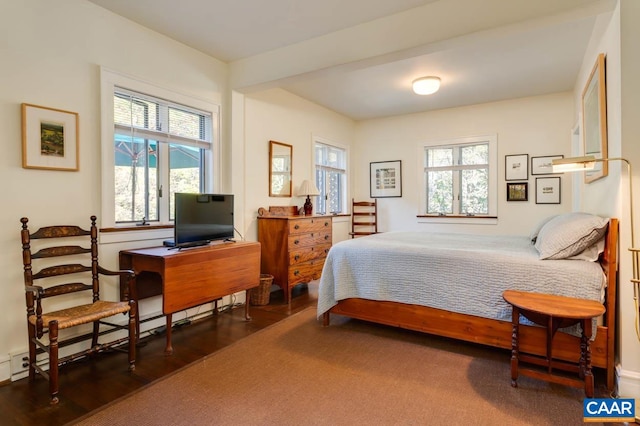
x: 308, y: 189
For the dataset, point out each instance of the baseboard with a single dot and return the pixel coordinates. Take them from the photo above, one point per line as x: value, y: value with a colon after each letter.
x: 5, y: 368
x: 629, y: 386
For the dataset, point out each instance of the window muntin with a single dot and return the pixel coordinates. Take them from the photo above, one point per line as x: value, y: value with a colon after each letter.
x: 331, y: 178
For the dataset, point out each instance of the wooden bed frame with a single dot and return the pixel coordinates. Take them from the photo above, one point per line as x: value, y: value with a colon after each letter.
x: 497, y: 333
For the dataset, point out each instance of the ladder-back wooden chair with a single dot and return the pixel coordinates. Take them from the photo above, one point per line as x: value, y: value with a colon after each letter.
x: 64, y: 275
x: 364, y: 218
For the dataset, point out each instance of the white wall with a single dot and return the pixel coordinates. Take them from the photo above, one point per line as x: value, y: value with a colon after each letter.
x: 616, y: 36
x: 51, y: 53
x: 537, y: 126
x: 278, y: 115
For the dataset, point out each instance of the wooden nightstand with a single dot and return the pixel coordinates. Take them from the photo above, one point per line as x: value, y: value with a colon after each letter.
x: 554, y: 312
x: 294, y: 248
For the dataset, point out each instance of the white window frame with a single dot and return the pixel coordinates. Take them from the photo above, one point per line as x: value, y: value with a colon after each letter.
x: 345, y: 148
x: 492, y: 140
x: 109, y: 80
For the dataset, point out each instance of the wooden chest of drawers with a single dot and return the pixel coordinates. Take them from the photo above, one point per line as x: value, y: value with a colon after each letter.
x: 293, y: 248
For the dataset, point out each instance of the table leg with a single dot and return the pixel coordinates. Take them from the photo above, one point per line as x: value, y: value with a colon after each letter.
x: 515, y: 321
x: 246, y: 306
x: 585, y: 358
x: 168, y: 350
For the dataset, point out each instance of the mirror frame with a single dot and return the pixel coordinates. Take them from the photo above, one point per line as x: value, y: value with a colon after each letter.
x: 275, y: 147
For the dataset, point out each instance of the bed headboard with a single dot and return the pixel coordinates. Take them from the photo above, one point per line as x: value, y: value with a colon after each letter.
x: 609, y: 263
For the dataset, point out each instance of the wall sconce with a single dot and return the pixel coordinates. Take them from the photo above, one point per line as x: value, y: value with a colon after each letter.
x: 575, y: 164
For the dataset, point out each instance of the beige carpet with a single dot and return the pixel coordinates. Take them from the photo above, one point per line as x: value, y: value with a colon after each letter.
x: 300, y: 373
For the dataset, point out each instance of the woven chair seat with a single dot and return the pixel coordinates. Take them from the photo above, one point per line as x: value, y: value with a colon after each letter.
x: 82, y: 314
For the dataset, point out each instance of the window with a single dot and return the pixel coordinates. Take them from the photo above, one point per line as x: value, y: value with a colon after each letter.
x: 460, y: 177
x: 153, y: 147
x: 331, y: 178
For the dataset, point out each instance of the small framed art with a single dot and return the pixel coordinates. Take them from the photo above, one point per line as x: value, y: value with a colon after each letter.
x: 516, y: 167
x: 49, y: 138
x: 385, y: 179
x: 542, y: 165
x: 548, y: 190
x: 517, y: 191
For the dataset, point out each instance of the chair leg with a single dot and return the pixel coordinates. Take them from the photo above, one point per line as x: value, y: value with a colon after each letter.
x: 133, y: 327
x: 53, y: 361
x: 96, y: 334
x: 32, y: 352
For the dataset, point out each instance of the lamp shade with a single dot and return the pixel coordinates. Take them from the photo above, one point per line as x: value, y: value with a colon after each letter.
x: 573, y: 164
x: 426, y: 85
x: 308, y: 188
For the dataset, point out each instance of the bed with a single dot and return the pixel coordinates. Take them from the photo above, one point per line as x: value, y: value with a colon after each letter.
x: 451, y: 284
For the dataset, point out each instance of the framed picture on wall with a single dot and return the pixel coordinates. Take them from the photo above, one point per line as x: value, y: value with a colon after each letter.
x: 385, y: 179
x: 542, y: 165
x: 49, y: 138
x: 517, y: 191
x: 548, y: 190
x: 516, y: 167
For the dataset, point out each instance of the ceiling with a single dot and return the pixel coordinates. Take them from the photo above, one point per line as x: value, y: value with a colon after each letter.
x: 359, y: 57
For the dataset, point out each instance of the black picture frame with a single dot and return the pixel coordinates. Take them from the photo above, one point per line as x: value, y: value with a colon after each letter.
x: 516, y: 167
x: 542, y: 165
x: 385, y: 179
x: 517, y: 191
x: 548, y: 190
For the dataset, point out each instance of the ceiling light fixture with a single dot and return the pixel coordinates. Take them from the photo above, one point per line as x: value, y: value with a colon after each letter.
x: 426, y: 85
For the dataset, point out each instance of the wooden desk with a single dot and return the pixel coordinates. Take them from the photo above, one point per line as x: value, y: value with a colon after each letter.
x: 191, y: 277
x: 554, y: 312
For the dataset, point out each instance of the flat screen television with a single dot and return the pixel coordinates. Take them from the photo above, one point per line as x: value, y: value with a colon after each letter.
x: 202, y: 218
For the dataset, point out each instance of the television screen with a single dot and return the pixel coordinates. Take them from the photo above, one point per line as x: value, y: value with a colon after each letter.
x: 201, y: 218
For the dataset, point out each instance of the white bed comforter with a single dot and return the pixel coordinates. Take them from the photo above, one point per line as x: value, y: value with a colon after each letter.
x: 456, y: 272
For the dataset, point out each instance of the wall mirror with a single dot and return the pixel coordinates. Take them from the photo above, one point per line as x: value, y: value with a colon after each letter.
x: 594, y: 119
x: 280, y: 169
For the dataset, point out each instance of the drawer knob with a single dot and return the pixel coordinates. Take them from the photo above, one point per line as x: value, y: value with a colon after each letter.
x: 296, y: 272
x: 296, y: 226
x: 326, y: 224
x: 296, y: 257
x: 296, y: 242
x: 326, y: 237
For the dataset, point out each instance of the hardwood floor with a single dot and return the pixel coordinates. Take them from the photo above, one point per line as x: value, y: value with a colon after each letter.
x: 86, y: 385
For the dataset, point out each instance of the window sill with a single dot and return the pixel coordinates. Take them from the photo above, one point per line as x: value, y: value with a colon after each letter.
x: 135, y: 233
x: 458, y: 219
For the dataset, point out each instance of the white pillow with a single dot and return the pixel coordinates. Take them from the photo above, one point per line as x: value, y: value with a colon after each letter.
x: 536, y: 229
x: 568, y: 234
x: 591, y: 253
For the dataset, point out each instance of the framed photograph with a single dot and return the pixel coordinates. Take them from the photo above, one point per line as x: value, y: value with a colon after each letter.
x: 518, y: 191
x: 542, y: 165
x: 548, y: 190
x: 385, y: 179
x: 49, y: 138
x: 594, y: 120
x: 516, y: 167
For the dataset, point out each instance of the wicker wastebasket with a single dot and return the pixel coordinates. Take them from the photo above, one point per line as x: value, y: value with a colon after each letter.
x: 260, y: 295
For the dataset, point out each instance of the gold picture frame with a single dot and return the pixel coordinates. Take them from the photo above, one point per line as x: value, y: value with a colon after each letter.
x: 594, y: 119
x: 49, y: 138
